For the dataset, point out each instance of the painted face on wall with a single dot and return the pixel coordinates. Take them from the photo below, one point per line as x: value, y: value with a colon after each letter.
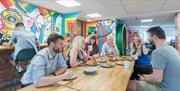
x: 9, y: 17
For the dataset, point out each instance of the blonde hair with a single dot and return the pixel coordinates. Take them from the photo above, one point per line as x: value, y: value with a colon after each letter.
x: 78, y: 42
x: 133, y: 47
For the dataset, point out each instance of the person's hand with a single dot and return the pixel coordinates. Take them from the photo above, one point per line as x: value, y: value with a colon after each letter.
x: 142, y: 41
x: 5, y: 44
x: 67, y: 75
x: 141, y: 77
x: 81, y: 62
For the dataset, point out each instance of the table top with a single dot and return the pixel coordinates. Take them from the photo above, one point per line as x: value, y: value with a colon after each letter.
x: 4, y: 48
x: 112, y: 79
x: 55, y: 87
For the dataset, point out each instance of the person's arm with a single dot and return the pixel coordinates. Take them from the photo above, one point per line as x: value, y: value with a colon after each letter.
x: 11, y: 41
x: 156, y: 76
x: 60, y: 71
x: 7, y: 44
x: 73, y: 58
x: 159, y: 63
x: 61, y: 65
x: 48, y: 80
x: 39, y: 76
x: 132, y: 49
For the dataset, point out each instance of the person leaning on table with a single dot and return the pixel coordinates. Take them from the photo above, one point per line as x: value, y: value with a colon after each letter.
x: 46, y: 62
x: 165, y: 63
x: 23, y: 40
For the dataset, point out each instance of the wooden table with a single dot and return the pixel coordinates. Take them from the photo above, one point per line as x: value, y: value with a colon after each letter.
x: 112, y: 79
x: 106, y: 79
x: 49, y: 88
x: 7, y: 72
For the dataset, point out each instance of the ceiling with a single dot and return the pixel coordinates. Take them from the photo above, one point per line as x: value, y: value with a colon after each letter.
x: 131, y: 11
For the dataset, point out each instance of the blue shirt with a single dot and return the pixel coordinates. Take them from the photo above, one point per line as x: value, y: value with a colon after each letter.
x: 23, y: 39
x: 42, y: 64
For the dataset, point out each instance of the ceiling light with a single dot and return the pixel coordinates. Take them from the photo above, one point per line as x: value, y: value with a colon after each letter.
x: 68, y: 3
x: 94, y: 15
x: 146, y: 20
x: 88, y: 20
x: 144, y: 26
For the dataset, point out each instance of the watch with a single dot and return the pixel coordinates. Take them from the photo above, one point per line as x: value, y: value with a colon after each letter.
x: 54, y: 74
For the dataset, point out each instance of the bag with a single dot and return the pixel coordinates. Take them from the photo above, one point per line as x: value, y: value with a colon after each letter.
x: 141, y: 69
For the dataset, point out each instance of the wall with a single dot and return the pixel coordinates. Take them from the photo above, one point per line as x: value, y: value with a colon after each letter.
x: 36, y: 19
x: 101, y: 29
x: 70, y: 23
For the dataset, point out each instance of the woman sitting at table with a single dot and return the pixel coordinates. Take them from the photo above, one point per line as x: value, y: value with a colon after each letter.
x: 77, y: 55
x: 142, y: 62
x: 109, y: 47
x: 91, y: 48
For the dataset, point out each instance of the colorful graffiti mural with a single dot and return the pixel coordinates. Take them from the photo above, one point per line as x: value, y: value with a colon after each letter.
x: 70, y: 23
x: 36, y: 19
x: 101, y: 29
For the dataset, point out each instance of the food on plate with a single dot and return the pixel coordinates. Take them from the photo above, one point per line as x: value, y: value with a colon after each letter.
x: 91, y: 62
x: 124, y: 58
x: 109, y: 63
x: 101, y: 60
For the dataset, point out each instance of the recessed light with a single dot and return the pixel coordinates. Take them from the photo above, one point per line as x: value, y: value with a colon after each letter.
x: 146, y: 20
x: 93, y: 15
x: 88, y: 20
x: 144, y: 26
x: 68, y: 3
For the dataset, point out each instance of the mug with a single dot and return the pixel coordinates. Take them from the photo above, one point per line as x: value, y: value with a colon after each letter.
x: 90, y: 48
x: 126, y: 64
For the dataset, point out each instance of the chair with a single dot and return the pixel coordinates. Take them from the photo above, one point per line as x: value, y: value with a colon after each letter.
x: 24, y: 55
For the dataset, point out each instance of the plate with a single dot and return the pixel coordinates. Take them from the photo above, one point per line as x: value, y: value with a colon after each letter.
x: 105, y: 65
x: 90, y: 70
x: 72, y: 78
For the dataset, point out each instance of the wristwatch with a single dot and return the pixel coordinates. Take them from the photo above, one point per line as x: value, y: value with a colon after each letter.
x: 54, y: 74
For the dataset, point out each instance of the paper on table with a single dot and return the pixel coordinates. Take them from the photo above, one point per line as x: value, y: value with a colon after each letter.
x: 63, y: 82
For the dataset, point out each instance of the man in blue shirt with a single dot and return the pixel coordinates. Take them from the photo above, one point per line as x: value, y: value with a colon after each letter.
x: 22, y: 39
x: 46, y: 62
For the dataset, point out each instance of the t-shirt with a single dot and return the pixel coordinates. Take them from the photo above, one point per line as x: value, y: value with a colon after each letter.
x: 23, y: 39
x: 167, y: 59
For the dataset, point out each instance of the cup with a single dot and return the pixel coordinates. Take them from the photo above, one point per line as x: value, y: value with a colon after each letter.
x: 135, y: 57
x: 90, y: 48
x: 126, y: 64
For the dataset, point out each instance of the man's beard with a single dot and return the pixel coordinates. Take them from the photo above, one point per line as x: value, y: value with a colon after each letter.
x: 151, y: 42
x: 57, y: 50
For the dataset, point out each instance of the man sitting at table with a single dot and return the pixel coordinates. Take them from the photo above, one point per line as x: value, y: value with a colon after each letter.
x: 22, y: 39
x: 166, y: 66
x: 46, y: 63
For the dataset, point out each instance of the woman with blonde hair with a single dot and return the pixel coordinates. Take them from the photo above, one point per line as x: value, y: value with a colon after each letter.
x: 109, y: 47
x: 77, y: 55
x: 142, y: 62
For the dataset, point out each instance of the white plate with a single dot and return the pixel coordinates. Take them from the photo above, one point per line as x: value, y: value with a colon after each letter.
x: 90, y: 70
x: 105, y: 65
x: 72, y: 78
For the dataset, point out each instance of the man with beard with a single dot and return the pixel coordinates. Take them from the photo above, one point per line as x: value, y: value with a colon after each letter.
x: 166, y: 66
x: 46, y: 63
